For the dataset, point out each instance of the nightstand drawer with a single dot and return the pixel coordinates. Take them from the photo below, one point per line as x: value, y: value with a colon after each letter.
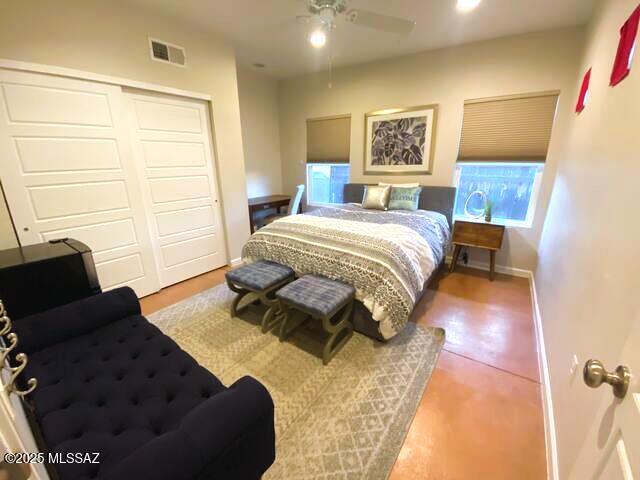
x: 484, y: 235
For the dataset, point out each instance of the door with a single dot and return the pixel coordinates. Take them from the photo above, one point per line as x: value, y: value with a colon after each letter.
x: 172, y: 148
x: 611, y: 450
x: 67, y: 171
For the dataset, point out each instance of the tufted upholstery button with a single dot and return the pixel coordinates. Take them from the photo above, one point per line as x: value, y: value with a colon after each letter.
x: 101, y: 402
x: 151, y: 374
x: 165, y: 353
x: 170, y: 398
x: 121, y: 340
x: 205, y: 393
x: 79, y: 434
x: 183, y: 372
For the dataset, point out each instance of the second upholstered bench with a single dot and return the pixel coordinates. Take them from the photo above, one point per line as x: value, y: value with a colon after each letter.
x: 323, y: 299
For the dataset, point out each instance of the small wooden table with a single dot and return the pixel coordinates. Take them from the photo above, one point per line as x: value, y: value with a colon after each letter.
x: 264, y: 203
x: 487, y: 236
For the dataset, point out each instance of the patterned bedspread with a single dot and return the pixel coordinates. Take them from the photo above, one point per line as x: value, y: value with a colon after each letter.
x: 386, y: 256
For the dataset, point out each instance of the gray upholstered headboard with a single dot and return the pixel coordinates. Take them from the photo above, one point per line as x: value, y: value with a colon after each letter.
x: 437, y: 199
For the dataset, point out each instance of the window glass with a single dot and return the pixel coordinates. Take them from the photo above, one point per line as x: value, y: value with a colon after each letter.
x: 325, y: 182
x: 511, y: 188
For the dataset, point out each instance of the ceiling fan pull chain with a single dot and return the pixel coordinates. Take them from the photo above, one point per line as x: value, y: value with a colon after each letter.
x: 330, y: 56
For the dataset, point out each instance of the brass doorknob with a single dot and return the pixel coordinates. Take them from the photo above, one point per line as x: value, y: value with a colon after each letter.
x: 595, y: 374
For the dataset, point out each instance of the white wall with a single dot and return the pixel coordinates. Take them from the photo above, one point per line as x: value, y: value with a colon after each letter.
x: 258, y: 96
x: 111, y: 38
x: 525, y: 63
x: 588, y: 275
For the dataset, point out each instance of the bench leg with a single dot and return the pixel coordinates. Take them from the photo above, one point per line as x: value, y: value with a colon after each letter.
x: 273, y: 315
x: 340, y: 332
x: 241, y: 293
x: 289, y: 324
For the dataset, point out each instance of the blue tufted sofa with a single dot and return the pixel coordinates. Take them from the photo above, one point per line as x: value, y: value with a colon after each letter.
x: 111, y: 382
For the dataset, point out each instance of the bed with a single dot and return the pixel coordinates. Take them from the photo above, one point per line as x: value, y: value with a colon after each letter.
x: 388, y: 256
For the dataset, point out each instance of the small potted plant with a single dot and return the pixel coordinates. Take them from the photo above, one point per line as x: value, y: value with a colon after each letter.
x: 487, y: 211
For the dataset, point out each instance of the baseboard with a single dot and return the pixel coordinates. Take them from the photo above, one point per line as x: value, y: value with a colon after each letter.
x: 235, y: 262
x: 545, y: 390
x: 516, y: 272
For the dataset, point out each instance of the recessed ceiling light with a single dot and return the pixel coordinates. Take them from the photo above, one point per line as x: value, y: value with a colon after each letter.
x: 318, y: 39
x: 467, y: 5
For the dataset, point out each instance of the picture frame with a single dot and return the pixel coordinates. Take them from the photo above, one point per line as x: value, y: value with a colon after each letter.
x: 400, y: 141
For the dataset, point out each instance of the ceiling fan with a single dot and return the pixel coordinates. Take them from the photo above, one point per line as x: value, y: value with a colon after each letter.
x: 328, y: 10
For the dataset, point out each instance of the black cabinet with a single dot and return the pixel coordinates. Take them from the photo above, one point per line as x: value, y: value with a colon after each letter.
x: 39, y: 277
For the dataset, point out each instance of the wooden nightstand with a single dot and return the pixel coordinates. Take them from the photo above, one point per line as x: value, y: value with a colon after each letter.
x: 479, y: 235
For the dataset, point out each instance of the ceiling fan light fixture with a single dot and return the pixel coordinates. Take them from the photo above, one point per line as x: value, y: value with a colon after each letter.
x: 318, y: 38
x: 467, y: 5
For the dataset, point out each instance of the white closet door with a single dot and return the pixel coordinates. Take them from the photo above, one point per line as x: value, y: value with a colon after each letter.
x: 172, y: 148
x: 67, y: 171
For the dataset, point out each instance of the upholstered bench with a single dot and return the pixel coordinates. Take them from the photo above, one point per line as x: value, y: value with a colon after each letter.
x: 262, y: 278
x: 323, y: 299
x: 112, y: 383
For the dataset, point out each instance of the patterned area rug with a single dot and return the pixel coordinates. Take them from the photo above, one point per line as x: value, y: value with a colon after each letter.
x: 344, y: 420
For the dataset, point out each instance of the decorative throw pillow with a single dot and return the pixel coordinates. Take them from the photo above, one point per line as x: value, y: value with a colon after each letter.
x: 402, y: 198
x: 376, y: 197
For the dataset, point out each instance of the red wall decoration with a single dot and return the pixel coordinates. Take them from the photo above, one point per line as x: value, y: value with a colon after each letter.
x: 628, y: 33
x: 583, y: 91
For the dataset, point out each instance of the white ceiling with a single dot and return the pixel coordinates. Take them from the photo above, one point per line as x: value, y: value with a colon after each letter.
x: 266, y: 31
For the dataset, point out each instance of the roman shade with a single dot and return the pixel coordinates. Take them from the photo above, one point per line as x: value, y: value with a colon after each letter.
x: 512, y: 129
x: 329, y: 140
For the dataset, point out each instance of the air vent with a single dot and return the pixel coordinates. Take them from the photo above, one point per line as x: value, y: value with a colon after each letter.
x: 165, y: 52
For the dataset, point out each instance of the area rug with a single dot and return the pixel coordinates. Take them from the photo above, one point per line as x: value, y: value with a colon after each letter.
x: 347, y: 419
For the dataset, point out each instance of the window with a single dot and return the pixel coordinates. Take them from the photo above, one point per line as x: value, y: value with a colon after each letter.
x: 328, y: 152
x: 503, y: 148
x: 325, y: 182
x: 512, y: 189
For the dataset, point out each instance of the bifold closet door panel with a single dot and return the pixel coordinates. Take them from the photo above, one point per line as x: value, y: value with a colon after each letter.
x: 173, y: 151
x: 67, y: 171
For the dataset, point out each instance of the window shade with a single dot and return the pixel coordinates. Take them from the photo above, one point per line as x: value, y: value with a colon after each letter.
x: 515, y: 128
x: 329, y: 140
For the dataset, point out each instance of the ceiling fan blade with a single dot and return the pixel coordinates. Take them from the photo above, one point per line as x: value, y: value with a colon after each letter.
x: 386, y: 23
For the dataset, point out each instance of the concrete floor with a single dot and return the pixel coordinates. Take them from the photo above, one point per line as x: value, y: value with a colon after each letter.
x: 481, y: 414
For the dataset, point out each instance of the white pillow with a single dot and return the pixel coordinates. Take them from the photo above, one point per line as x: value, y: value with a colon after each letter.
x: 399, y: 185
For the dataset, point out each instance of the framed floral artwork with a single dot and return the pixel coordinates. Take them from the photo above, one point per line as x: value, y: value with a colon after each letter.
x: 400, y: 140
